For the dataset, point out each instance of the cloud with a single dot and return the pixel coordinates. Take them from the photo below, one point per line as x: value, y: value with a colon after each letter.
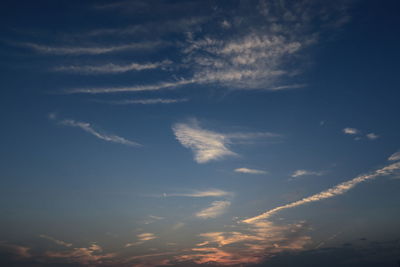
x: 372, y: 136
x: 332, y: 192
x: 299, y: 173
x: 149, y: 101
x: 216, y: 208
x: 138, y: 88
x: 258, y: 49
x: 88, y: 50
x: 208, y: 145
x: 92, y: 255
x: 206, y: 193
x: 58, y: 242
x: 395, y: 156
x: 87, y: 127
x: 19, y: 252
x: 249, y: 245
x: 250, y: 171
x: 351, y: 131
x: 111, y: 68
x: 141, y: 239
x: 146, y: 236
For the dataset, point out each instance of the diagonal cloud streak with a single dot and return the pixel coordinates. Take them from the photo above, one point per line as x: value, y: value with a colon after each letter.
x: 106, y: 137
x: 332, y: 192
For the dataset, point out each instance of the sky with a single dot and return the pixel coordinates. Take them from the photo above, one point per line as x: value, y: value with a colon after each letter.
x: 199, y: 133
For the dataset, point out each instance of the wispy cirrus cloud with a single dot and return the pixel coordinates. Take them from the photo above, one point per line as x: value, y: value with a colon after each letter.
x: 58, y: 242
x: 209, y: 145
x: 299, y: 173
x: 250, y: 171
x: 247, y: 50
x: 141, y: 239
x: 87, y: 127
x: 137, y: 88
x: 197, y: 193
x: 332, y: 192
x: 111, y: 68
x: 88, y: 50
x: 395, y: 156
x: 206, y: 145
x: 216, y: 209
x: 147, y: 101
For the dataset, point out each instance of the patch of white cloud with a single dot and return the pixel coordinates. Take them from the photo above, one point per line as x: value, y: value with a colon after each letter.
x: 351, y: 131
x: 332, y: 192
x: 206, y: 145
x: 299, y: 173
x: 216, y: 209
x: 250, y: 171
x: 209, y: 145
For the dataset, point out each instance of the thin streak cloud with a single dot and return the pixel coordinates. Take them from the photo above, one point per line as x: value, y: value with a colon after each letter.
x: 87, y: 127
x: 332, y: 192
x: 299, y: 173
x: 111, y: 68
x: 139, y: 88
x: 148, y: 101
x: 88, y: 50
x: 206, y: 193
x: 249, y: 171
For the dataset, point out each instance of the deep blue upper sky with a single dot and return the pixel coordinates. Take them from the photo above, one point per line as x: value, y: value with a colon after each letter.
x: 183, y: 133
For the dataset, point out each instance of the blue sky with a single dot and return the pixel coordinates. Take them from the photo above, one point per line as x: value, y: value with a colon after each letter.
x: 190, y: 133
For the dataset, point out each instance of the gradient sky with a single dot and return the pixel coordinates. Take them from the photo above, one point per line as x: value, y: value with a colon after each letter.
x: 200, y: 133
